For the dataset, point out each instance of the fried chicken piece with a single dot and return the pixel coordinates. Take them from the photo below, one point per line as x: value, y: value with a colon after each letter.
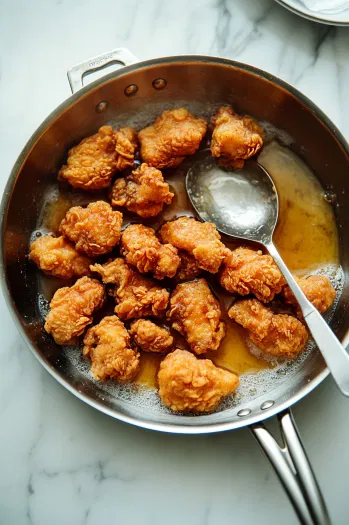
x: 200, y: 239
x: 234, y: 137
x: 150, y: 337
x: 275, y: 334
x: 108, y: 346
x: 136, y: 296
x: 317, y: 289
x: 187, y: 383
x: 92, y: 163
x: 94, y: 230
x: 188, y: 269
x: 173, y: 136
x: 247, y: 271
x: 143, y: 192
x: 142, y: 249
x: 57, y: 256
x: 71, y: 309
x: 196, y: 314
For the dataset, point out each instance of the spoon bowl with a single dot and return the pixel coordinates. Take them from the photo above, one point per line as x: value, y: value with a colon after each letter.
x: 241, y: 203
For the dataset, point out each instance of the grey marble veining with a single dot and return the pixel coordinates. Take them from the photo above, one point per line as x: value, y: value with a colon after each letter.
x: 61, y: 461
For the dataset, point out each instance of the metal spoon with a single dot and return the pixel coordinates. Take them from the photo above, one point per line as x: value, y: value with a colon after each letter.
x: 244, y: 204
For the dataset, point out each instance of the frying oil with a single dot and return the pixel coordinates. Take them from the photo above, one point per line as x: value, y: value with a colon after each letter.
x: 306, y: 236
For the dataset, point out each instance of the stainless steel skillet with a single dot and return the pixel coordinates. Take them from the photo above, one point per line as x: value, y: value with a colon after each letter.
x: 136, y: 93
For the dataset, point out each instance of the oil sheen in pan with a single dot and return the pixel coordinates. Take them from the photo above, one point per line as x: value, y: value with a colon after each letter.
x: 306, y: 236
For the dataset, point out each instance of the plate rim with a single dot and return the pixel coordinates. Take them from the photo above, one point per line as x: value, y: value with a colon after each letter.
x: 309, y: 15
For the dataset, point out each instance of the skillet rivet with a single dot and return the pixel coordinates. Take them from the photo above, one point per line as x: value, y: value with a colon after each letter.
x: 244, y: 412
x: 267, y: 404
x: 159, y: 83
x: 102, y: 107
x: 131, y: 90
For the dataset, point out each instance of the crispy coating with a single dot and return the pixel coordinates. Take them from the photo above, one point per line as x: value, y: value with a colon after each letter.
x: 200, y: 239
x: 136, y: 296
x: 142, y: 249
x: 275, y: 334
x: 247, y: 271
x: 95, y: 230
x: 196, y: 314
x: 57, y: 256
x: 317, y: 289
x: 150, y: 337
x: 235, y: 137
x: 188, y: 269
x: 174, y: 135
x: 187, y: 383
x: 126, y: 142
x: 108, y: 346
x: 143, y: 192
x: 92, y: 163
x: 71, y: 309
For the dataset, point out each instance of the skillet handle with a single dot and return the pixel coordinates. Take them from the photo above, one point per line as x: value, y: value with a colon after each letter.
x: 292, y: 466
x: 118, y: 56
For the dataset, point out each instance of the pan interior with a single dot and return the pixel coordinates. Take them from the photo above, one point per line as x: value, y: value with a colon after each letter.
x: 37, y: 179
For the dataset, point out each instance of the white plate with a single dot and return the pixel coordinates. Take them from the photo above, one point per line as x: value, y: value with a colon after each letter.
x: 341, y: 19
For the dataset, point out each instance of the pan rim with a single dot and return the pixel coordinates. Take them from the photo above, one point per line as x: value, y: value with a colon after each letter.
x: 6, y: 198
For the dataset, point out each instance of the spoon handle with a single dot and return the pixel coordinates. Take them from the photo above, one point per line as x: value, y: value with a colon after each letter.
x: 332, y: 350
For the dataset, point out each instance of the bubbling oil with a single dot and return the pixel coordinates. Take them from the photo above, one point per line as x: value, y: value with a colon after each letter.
x: 306, y: 236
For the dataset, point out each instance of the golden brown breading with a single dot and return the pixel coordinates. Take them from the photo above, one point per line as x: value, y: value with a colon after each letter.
x: 234, y: 137
x: 94, y: 230
x: 142, y: 249
x: 209, y: 255
x: 92, y: 163
x: 247, y: 271
x: 196, y: 314
x: 143, y: 192
x: 125, y: 147
x: 187, y: 383
x: 57, y: 256
x: 136, y: 296
x: 317, y: 289
x: 200, y: 239
x: 188, y: 268
x: 276, y: 334
x: 108, y: 346
x: 173, y: 136
x: 150, y: 337
x: 71, y: 309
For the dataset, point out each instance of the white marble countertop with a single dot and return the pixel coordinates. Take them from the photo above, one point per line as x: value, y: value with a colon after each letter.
x: 61, y: 461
